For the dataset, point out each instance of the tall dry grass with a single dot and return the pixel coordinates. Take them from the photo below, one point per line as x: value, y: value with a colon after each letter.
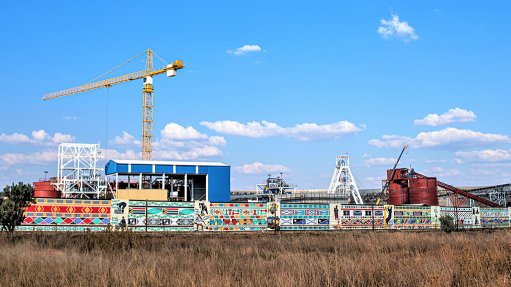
x: 480, y: 258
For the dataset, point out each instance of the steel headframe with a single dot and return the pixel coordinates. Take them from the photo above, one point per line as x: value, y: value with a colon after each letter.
x: 343, y: 182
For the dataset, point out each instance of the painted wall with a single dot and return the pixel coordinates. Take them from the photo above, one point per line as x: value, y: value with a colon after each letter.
x: 412, y: 217
x: 155, y: 216
x: 237, y: 216
x: 357, y: 217
x: 48, y: 214
x: 304, y: 216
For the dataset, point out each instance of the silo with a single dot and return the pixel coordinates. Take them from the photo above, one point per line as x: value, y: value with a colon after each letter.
x: 398, y: 193
x: 423, y: 191
x: 44, y: 189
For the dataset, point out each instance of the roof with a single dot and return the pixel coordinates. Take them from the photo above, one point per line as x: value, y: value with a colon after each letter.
x: 180, y: 163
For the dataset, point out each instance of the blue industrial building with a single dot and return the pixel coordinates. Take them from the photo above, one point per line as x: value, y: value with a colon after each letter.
x: 184, y: 181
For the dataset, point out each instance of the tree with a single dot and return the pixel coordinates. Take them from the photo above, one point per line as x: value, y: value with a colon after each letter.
x: 447, y: 223
x: 16, y: 199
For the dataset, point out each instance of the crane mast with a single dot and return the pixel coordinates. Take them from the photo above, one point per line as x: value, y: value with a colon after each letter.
x: 147, y: 94
x: 147, y: 110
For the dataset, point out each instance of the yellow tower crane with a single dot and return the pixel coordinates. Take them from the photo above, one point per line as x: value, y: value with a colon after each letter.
x: 147, y: 93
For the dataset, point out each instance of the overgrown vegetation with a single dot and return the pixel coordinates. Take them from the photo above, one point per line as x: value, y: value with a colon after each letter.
x: 355, y: 258
x: 12, y: 206
x: 447, y: 223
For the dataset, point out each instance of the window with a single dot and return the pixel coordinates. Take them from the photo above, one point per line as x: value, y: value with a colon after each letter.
x: 368, y: 213
x: 346, y: 213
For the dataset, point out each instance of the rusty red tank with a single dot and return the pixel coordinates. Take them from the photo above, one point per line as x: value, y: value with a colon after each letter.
x: 423, y: 191
x: 398, y: 193
x: 44, y: 189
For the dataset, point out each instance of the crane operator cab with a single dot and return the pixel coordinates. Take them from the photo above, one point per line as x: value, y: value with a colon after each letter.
x: 148, y: 80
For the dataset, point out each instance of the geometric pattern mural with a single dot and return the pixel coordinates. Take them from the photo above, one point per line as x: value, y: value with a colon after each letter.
x: 95, y: 215
x: 237, y: 216
x: 494, y: 217
x: 66, y: 214
x: 160, y: 216
x: 361, y: 217
x: 464, y: 215
x: 304, y: 216
x: 412, y: 217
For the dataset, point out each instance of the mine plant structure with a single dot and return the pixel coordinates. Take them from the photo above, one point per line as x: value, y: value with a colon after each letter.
x: 147, y: 92
x: 343, y: 182
x: 273, y: 189
x: 78, y: 174
x: 409, y: 187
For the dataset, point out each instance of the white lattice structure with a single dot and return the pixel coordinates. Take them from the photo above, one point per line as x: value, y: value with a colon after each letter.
x: 78, y: 175
x: 343, y: 183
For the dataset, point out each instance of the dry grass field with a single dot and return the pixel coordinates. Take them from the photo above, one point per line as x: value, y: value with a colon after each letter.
x: 478, y: 258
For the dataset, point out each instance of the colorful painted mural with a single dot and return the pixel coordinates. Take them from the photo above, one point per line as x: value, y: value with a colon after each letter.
x: 202, y: 216
x: 494, y: 217
x: 161, y: 216
x: 48, y: 214
x: 238, y: 216
x: 463, y: 217
x: 155, y: 216
x: 412, y: 217
x: 304, y: 216
x: 360, y: 217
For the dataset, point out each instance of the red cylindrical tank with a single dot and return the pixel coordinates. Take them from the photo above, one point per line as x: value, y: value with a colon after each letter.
x: 423, y: 191
x: 44, y: 189
x: 398, y: 174
x: 398, y: 194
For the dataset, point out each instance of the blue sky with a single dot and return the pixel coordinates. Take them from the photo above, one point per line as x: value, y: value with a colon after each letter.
x: 268, y: 86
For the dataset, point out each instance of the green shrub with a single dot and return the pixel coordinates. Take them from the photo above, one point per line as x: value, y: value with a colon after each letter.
x: 447, y: 223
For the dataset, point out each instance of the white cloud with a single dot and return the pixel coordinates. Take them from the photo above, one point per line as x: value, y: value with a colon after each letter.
x: 196, y: 152
x: 447, y: 136
x: 177, y: 132
x: 217, y: 140
x: 489, y: 155
x: 42, y: 157
x: 455, y: 115
x: 380, y: 161
x: 261, y: 168
x: 126, y: 139
x: 62, y: 138
x: 118, y: 155
x: 394, y: 28
x: 176, y: 143
x: 14, y: 138
x: 303, y: 132
x: 39, y: 137
x: 442, y: 172
x: 244, y: 50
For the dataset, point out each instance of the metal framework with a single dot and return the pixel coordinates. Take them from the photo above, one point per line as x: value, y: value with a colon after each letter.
x: 78, y: 175
x: 274, y: 188
x: 147, y: 93
x: 496, y: 193
x: 343, y: 182
x: 458, y: 196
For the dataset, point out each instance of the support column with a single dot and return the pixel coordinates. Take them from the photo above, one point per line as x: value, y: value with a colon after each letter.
x: 163, y: 181
x: 116, y: 181
x: 207, y: 186
x: 186, y: 187
x: 140, y: 181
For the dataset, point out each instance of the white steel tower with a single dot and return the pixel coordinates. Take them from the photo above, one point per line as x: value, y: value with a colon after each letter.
x: 78, y: 175
x: 343, y: 183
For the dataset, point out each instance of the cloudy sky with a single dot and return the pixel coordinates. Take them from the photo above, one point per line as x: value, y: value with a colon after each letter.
x: 269, y: 86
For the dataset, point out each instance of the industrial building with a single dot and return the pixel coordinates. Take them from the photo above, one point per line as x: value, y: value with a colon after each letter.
x: 169, y: 180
